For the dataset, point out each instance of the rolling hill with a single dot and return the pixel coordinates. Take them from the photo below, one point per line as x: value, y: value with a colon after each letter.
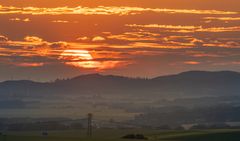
x: 189, y: 84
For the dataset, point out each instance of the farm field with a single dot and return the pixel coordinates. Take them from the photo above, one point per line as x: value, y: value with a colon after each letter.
x: 116, y: 134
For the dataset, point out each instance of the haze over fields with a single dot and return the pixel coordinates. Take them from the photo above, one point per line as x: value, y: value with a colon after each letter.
x: 186, y: 98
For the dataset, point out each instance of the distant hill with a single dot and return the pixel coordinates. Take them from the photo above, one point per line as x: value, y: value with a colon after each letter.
x: 189, y: 84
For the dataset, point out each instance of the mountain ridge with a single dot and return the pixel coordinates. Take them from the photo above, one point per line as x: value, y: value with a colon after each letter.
x: 99, y: 75
x: 191, y: 83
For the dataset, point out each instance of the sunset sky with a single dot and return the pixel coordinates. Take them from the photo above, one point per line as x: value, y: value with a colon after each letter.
x: 43, y: 40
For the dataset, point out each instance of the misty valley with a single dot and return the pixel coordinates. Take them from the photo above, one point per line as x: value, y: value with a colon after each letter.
x: 187, y: 100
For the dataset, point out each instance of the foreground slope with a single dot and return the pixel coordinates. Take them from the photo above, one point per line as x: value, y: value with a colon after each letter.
x: 115, y: 135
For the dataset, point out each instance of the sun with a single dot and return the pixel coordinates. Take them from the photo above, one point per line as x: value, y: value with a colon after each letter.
x: 79, y: 58
x: 77, y: 55
x: 84, y: 59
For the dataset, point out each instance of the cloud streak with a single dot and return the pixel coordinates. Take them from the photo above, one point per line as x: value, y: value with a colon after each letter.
x: 186, y: 29
x: 104, y: 10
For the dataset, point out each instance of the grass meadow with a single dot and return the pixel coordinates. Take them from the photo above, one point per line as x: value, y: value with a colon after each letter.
x: 116, y: 135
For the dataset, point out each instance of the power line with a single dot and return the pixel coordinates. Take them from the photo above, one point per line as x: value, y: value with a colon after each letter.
x: 89, y: 131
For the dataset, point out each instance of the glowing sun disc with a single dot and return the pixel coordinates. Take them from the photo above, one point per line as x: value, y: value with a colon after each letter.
x: 78, y: 58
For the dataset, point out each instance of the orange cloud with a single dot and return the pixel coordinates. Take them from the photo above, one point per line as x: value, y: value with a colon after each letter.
x: 227, y: 63
x: 164, y: 26
x: 33, y: 39
x: 102, y: 56
x: 223, y: 18
x: 103, y: 10
x: 186, y: 29
x: 82, y: 38
x: 183, y: 41
x: 29, y: 64
x: 60, y: 21
x: 135, y: 36
x: 192, y: 63
x: 3, y: 38
x: 21, y: 20
x: 156, y: 45
x: 98, y: 39
x: 206, y: 55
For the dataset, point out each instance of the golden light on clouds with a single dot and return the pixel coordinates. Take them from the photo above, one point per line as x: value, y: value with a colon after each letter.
x: 60, y: 21
x: 33, y: 39
x: 20, y: 20
x: 3, y: 38
x: 104, y: 10
x: 192, y: 63
x: 30, y: 64
x: 223, y: 18
x: 186, y: 29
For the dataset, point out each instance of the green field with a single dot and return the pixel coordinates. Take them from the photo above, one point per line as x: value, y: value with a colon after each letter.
x: 115, y: 135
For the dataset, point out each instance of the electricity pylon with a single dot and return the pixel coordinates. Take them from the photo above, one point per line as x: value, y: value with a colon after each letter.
x: 89, y: 132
